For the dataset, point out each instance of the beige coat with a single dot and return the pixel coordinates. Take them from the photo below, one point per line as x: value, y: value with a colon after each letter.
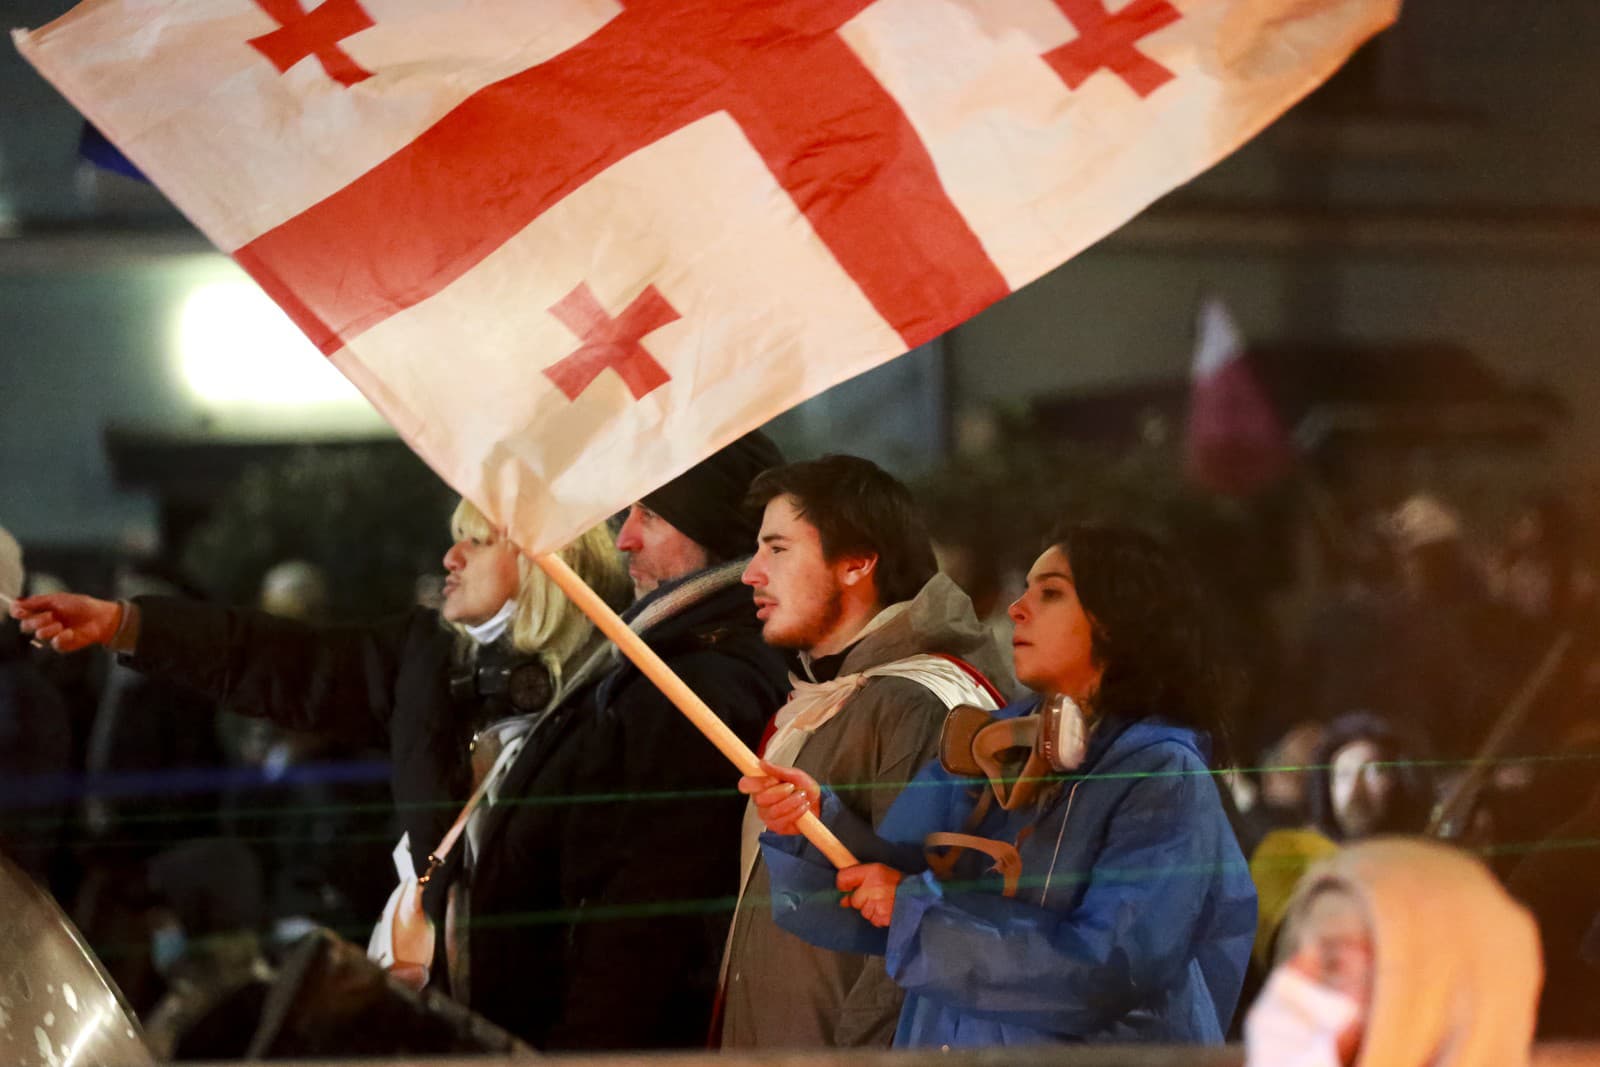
x: 780, y: 991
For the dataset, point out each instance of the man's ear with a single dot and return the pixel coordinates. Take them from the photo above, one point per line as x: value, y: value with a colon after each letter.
x: 857, y: 569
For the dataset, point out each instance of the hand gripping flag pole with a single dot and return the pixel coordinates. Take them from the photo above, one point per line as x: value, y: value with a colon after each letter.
x: 694, y: 709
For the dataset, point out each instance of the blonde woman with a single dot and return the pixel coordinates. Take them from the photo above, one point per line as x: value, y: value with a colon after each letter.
x: 525, y: 642
x: 600, y: 889
x: 504, y: 648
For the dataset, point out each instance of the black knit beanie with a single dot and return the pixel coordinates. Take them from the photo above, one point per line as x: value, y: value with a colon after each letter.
x: 706, y: 502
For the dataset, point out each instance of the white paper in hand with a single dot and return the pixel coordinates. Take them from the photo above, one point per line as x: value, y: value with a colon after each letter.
x: 10, y: 569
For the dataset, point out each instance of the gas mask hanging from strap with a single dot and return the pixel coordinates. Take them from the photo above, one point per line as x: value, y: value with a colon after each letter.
x: 1020, y: 758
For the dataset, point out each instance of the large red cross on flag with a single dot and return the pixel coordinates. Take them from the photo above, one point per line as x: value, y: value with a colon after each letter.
x: 569, y: 248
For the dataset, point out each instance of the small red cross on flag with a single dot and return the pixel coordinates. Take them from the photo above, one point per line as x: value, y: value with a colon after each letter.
x: 612, y: 343
x: 480, y: 221
x: 302, y: 34
x: 1109, y: 41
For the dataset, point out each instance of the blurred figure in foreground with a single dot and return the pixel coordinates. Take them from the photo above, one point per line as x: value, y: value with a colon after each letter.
x: 1399, y: 953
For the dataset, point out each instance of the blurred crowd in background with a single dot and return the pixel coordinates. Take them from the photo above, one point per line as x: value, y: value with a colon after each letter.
x: 1411, y: 672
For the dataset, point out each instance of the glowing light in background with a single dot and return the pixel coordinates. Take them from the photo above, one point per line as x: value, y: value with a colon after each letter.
x: 237, y: 348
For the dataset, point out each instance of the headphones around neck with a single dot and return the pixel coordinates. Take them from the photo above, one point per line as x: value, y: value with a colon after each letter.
x: 1017, y: 755
x: 1063, y: 736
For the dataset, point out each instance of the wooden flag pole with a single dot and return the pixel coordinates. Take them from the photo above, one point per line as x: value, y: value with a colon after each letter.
x: 686, y: 700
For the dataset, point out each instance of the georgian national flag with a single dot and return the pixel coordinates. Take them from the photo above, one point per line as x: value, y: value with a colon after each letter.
x: 570, y: 247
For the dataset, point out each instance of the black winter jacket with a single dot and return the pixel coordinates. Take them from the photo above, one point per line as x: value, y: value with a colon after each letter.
x: 603, y: 891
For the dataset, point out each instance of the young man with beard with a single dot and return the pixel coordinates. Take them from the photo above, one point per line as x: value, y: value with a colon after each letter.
x: 844, y: 576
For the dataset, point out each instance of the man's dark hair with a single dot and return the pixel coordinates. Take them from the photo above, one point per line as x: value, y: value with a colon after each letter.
x: 857, y: 508
x: 1156, y: 635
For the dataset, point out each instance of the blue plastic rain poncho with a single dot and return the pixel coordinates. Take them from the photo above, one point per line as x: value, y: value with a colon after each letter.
x: 1133, y: 919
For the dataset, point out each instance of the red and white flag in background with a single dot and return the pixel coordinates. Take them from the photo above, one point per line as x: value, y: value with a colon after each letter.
x: 568, y: 248
x: 1234, y: 442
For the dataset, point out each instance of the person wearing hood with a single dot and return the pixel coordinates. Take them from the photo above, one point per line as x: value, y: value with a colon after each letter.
x: 1064, y: 871
x: 1399, y: 953
x: 844, y: 576
x: 1368, y: 779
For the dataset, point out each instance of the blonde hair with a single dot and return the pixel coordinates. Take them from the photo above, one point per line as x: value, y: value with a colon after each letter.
x: 546, y: 624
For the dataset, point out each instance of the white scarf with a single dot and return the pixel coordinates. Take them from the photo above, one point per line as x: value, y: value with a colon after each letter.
x: 814, y: 704
x: 489, y: 630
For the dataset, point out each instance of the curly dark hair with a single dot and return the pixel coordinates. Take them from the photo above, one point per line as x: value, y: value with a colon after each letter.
x: 1153, y: 632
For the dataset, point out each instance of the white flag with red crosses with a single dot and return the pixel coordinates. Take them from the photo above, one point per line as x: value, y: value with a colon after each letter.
x: 568, y: 248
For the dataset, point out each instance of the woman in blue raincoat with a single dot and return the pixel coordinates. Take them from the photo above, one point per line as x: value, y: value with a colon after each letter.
x: 1064, y: 871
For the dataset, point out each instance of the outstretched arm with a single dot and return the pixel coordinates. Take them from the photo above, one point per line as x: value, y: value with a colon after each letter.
x: 335, y: 678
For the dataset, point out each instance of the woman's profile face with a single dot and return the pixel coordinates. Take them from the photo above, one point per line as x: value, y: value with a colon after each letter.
x: 1050, y: 643
x: 481, y: 575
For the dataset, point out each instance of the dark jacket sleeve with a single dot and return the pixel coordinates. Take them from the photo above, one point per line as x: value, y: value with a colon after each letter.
x: 658, y: 825
x: 334, y: 679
